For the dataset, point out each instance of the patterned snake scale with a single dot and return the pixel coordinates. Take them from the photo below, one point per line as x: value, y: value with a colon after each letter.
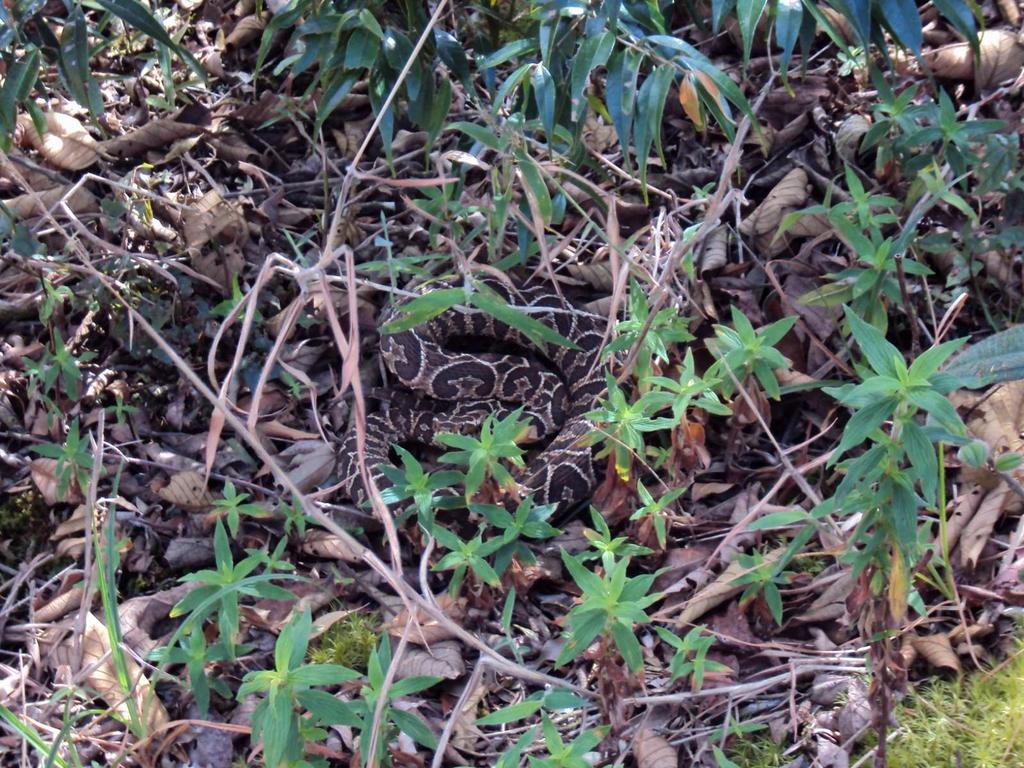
x: 451, y: 391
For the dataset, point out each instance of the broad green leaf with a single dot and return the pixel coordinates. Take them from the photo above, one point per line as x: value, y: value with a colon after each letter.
x: 411, y: 725
x: 878, y: 351
x: 859, y: 14
x: 961, y: 16
x: 452, y: 54
x: 861, y: 424
x: 74, y: 62
x: 337, y: 89
x: 779, y: 520
x: 508, y: 52
x: 719, y: 8
x: 21, y: 76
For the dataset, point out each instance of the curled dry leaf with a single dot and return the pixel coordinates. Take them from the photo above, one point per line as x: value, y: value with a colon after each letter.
x: 330, y: 547
x: 597, y: 135
x: 188, y: 491
x: 789, y: 195
x: 69, y: 544
x: 66, y: 144
x: 67, y: 599
x: 831, y: 602
x: 308, y: 463
x: 715, y: 253
x: 654, y: 751
x: 443, y: 659
x: 44, y: 475
x: 978, y: 529
x: 1001, y: 59
x: 995, y: 416
x: 28, y: 205
x: 849, y: 134
x: 937, y: 650
x: 245, y: 31
x: 153, y: 135
x: 597, y: 275
x: 102, y: 676
x: 350, y: 136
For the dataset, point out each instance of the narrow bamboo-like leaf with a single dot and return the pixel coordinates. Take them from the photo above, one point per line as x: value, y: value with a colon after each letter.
x: 748, y: 13
x: 495, y: 306
x: 623, y: 70
x: 508, y: 52
x: 544, y: 95
x: 479, y: 133
x: 530, y: 173
x: 593, y: 52
x: 134, y: 14
x: 859, y: 14
x: 904, y: 21
x: 788, y: 18
x: 650, y: 108
x: 425, y: 307
x: 452, y: 54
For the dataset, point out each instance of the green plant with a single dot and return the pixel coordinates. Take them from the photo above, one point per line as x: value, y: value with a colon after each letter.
x: 465, y: 556
x: 484, y: 456
x: 60, y: 363
x: 666, y: 328
x: 744, y: 351
x: 392, y: 718
x: 690, y: 659
x: 622, y: 424
x: 529, y: 521
x: 604, y: 544
x: 292, y: 711
x: 74, y: 460
x: 232, y: 505
x: 421, y: 489
x: 899, y: 470
x: 762, y: 577
x: 195, y: 653
x: 575, y: 754
x: 610, y: 606
x: 219, y: 590
x: 30, y: 51
x: 655, y: 510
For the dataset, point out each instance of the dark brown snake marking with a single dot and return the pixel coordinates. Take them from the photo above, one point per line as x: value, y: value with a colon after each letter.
x: 452, y: 391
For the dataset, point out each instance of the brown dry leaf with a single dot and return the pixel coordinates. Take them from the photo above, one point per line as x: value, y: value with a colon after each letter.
x: 61, y: 604
x: 978, y: 530
x: 654, y: 751
x: 188, y: 491
x: 102, y: 677
x: 220, y: 264
x: 308, y: 463
x: 140, y: 615
x: 937, y: 650
x: 330, y: 547
x: 444, y: 659
x: 429, y: 631
x: 839, y: 22
x: 75, y: 524
x: 153, y: 135
x: 44, y: 475
x: 689, y: 100
x: 246, y: 30
x: 351, y: 135
x: 789, y: 195
x: 597, y: 275
x: 831, y: 602
x: 849, y: 134
x: 1001, y: 59
x: 213, y: 218
x: 65, y: 145
x: 28, y: 205
x: 721, y: 589
x: 995, y: 416
x: 597, y: 135
x: 715, y: 254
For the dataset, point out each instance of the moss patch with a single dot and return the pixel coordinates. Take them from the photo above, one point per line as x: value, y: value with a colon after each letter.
x: 974, y: 722
x: 348, y: 641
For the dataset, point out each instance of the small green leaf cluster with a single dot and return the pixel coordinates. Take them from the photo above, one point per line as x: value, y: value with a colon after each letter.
x: 485, y: 456
x: 898, y: 472
x: 690, y: 660
x: 743, y: 351
x: 74, y: 460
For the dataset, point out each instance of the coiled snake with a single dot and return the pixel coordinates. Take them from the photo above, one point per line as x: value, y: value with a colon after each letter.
x: 452, y: 390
